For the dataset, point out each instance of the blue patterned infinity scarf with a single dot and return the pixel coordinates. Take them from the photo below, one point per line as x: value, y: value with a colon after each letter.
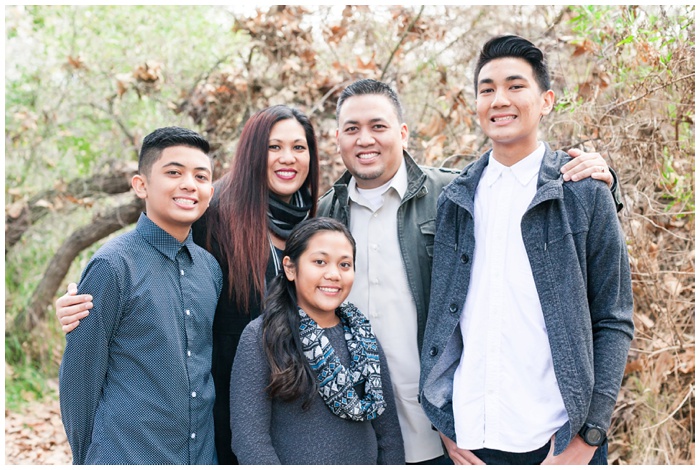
x: 336, y: 382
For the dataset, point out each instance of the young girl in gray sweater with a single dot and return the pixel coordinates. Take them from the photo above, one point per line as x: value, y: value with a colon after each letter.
x: 310, y: 383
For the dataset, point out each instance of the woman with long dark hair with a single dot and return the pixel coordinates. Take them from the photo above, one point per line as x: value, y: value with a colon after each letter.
x: 310, y: 384
x: 271, y: 187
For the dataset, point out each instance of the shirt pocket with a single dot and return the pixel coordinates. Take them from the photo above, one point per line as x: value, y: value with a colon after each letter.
x: 427, y: 230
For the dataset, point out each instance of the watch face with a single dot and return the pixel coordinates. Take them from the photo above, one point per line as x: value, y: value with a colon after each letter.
x: 594, y: 435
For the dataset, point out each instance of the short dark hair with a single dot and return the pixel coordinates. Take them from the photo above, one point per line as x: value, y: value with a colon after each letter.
x: 160, y: 139
x: 520, y: 48
x: 368, y: 86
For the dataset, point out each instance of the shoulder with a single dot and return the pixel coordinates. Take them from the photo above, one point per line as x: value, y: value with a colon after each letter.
x: 126, y: 247
x: 439, y: 176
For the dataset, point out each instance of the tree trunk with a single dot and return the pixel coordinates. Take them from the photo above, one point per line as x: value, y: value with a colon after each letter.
x: 115, y: 181
x: 82, y: 238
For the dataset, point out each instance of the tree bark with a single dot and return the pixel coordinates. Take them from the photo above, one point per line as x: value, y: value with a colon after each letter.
x: 115, y: 181
x: 82, y: 238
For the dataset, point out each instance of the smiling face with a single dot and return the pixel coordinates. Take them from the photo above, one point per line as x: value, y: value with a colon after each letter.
x: 177, y: 189
x: 509, y: 105
x: 288, y: 158
x: 323, y: 275
x: 371, y: 139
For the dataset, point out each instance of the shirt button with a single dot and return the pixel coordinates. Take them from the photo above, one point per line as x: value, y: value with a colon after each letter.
x: 189, y: 353
x: 465, y: 258
x: 187, y: 312
x: 182, y: 273
x: 433, y: 351
x: 193, y: 435
x: 453, y: 308
x: 194, y: 394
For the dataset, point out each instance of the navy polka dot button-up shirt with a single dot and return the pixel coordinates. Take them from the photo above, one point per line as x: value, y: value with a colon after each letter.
x: 135, y: 381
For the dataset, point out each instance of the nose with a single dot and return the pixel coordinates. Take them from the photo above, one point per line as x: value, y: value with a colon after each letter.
x: 499, y: 99
x: 365, y: 138
x: 332, y: 273
x: 187, y: 182
x: 287, y: 157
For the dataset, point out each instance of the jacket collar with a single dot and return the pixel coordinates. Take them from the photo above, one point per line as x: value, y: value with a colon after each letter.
x: 549, y: 180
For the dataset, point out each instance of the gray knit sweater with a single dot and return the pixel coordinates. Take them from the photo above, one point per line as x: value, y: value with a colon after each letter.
x: 275, y: 432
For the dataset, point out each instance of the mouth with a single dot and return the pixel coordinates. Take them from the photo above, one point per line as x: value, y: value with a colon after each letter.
x: 330, y: 290
x: 367, y: 155
x: 286, y: 174
x: 503, y: 119
x: 186, y: 202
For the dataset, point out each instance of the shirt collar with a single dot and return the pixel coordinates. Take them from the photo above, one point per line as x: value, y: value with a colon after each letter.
x: 524, y: 170
x: 162, y: 240
x: 399, y: 182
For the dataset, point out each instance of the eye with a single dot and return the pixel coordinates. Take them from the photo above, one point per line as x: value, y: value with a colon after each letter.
x: 346, y: 265
x: 273, y: 147
x: 172, y: 172
x: 379, y: 126
x: 319, y: 262
x: 483, y: 91
x: 300, y: 148
x: 351, y: 129
x: 203, y: 177
x: 517, y: 87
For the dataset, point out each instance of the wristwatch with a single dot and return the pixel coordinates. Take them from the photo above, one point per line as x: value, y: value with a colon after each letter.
x: 592, y: 435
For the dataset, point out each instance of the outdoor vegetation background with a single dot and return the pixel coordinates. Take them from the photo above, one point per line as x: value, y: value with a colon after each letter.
x: 83, y: 85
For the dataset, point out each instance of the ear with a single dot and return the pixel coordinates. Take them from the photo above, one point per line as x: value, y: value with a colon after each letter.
x: 547, y: 102
x: 289, y: 268
x: 337, y: 142
x: 404, y: 135
x: 138, y: 182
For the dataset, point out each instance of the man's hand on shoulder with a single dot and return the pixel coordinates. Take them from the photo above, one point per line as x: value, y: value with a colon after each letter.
x: 585, y: 165
x: 71, y: 308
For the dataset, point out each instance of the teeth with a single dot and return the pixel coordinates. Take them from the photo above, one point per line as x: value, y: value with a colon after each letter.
x: 331, y: 290
x: 184, y: 201
x: 367, y: 155
x: 286, y: 174
x: 507, y: 118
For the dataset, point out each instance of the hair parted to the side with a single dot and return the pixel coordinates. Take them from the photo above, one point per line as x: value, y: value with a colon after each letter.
x: 368, y: 86
x: 500, y: 47
x: 290, y: 373
x: 240, y: 225
x: 160, y: 139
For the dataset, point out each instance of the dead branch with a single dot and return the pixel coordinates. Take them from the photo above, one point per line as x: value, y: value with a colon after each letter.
x: 59, y: 265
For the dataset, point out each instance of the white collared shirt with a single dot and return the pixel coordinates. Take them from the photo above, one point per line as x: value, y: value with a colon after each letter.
x: 382, y: 293
x: 505, y: 394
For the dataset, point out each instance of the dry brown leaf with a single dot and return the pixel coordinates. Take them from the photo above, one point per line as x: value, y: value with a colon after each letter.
x: 15, y: 209
x: 672, y: 284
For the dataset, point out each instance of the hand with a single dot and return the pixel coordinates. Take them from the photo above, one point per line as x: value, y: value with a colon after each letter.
x: 71, y: 308
x: 459, y: 456
x: 576, y: 453
x: 586, y: 165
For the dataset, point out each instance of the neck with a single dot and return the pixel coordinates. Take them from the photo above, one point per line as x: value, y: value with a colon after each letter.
x: 325, y: 321
x: 509, y: 155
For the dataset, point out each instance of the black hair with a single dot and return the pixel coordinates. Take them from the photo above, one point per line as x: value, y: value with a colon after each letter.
x: 367, y: 86
x: 514, y: 46
x: 290, y: 374
x: 160, y: 139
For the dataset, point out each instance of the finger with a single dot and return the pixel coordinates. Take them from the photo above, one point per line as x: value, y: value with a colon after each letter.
x: 573, y: 153
x: 70, y: 327
x: 68, y: 300
x: 72, y: 288
x: 586, y: 160
x: 76, y: 317
x: 603, y: 175
x: 73, y: 310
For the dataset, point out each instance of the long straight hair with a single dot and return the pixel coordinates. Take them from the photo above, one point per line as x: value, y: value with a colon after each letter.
x: 290, y: 373
x: 241, y: 226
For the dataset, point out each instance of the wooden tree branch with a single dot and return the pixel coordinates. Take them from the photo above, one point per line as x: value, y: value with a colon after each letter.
x: 115, y: 181
x: 59, y: 265
x: 398, y: 44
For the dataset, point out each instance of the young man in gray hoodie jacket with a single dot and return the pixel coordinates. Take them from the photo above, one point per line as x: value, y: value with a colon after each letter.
x: 523, y: 354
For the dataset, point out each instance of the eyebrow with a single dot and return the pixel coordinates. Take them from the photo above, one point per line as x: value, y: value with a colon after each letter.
x: 301, y: 139
x: 371, y: 121
x: 180, y: 165
x: 510, y: 78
